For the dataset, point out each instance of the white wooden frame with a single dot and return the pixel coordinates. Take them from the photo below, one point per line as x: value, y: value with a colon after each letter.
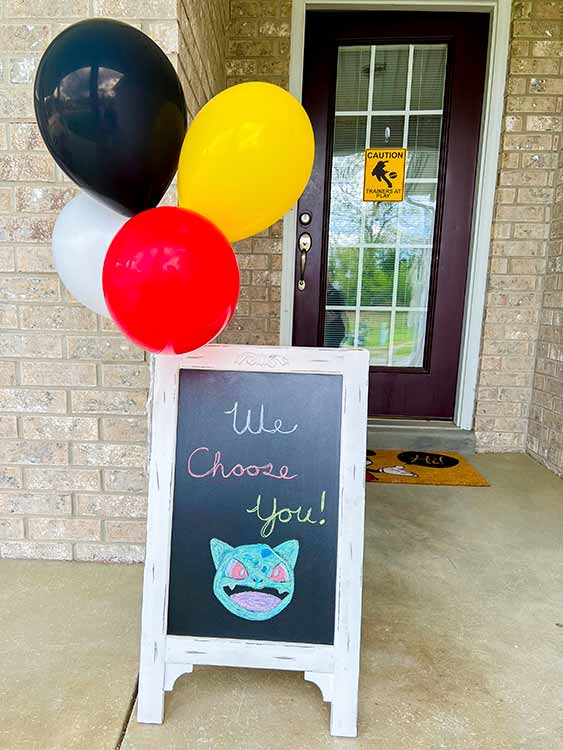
x: 491, y: 126
x: 335, y: 669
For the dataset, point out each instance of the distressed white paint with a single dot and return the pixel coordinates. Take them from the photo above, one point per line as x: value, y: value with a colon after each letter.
x: 150, y: 704
x: 335, y: 669
x: 231, y: 652
x: 499, y: 11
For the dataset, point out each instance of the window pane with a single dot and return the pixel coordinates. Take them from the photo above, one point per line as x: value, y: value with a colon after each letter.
x: 428, y: 75
x: 339, y: 328
x: 424, y: 145
x: 345, y: 210
x: 390, y: 241
x: 353, y: 78
x: 417, y: 213
x: 342, y: 276
x: 373, y: 334
x: 377, y: 277
x: 414, y: 277
x: 386, y: 130
x: 349, y: 136
x: 381, y: 223
x: 408, y: 339
x: 347, y: 180
x: 390, y: 76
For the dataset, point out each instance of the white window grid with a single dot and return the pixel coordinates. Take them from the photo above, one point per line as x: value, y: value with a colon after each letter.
x: 370, y: 113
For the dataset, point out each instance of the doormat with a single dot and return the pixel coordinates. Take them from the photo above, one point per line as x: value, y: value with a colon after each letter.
x: 421, y: 467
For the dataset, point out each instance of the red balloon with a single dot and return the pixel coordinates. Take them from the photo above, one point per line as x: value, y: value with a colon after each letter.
x: 171, y: 280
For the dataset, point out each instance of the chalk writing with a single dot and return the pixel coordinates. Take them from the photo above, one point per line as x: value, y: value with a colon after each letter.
x: 277, y: 423
x: 284, y: 515
x: 238, y: 470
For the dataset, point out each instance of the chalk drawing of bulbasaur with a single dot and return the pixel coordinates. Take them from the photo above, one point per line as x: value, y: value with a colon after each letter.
x: 254, y: 581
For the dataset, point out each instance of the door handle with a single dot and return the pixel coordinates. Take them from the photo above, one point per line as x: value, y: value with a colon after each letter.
x: 304, y: 242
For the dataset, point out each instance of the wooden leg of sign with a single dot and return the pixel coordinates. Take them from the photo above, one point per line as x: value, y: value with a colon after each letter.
x: 150, y: 700
x: 344, y: 708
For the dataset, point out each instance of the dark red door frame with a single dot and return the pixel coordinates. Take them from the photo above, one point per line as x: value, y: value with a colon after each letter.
x: 428, y: 391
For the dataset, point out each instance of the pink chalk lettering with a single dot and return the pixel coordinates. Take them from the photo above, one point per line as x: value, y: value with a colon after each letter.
x: 238, y: 470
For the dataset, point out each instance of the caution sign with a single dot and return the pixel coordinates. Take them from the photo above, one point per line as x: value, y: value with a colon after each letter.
x: 384, y: 174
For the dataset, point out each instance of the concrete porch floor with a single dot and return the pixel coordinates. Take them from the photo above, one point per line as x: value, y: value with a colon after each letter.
x: 461, y: 648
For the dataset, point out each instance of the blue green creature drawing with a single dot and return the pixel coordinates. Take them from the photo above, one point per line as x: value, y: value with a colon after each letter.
x: 254, y: 581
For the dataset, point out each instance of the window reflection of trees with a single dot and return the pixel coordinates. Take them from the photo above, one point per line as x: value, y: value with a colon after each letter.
x: 405, y: 228
x: 401, y: 225
x: 346, y: 199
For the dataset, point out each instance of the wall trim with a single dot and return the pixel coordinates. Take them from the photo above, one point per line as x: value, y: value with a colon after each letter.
x: 491, y: 128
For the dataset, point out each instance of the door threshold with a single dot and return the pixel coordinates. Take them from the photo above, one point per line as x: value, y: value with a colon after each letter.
x: 419, y: 434
x: 419, y: 424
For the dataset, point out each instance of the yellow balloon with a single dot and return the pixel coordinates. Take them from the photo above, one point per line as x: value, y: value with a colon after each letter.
x: 246, y: 158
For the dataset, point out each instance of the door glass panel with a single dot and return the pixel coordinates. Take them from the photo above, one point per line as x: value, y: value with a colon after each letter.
x: 381, y: 223
x: 349, y: 138
x: 377, y: 277
x: 424, y: 146
x: 387, y: 131
x: 347, y: 180
x: 408, y: 338
x: 353, y: 78
x: 413, y: 277
x: 380, y: 254
x: 429, y: 67
x: 416, y: 213
x: 343, y: 274
x: 340, y: 327
x: 374, y: 333
x: 390, y: 76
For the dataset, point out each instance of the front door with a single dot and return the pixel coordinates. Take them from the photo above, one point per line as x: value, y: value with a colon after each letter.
x: 390, y: 274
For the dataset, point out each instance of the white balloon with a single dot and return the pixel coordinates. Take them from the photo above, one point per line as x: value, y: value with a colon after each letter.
x: 81, y: 237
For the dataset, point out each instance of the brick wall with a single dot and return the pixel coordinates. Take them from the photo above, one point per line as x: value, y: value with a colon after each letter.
x: 73, y: 391
x: 545, y: 436
x: 523, y: 213
x: 258, y: 50
x: 202, y: 43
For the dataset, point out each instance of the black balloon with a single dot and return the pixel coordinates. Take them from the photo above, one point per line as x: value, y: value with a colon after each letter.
x: 111, y: 111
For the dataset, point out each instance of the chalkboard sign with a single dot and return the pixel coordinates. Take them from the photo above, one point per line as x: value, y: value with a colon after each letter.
x: 255, y: 529
x: 257, y: 468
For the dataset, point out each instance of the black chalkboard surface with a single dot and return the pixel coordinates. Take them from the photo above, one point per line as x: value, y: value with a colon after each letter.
x: 255, y: 520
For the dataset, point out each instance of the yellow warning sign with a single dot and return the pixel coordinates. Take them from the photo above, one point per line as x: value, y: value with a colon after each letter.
x: 384, y: 174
